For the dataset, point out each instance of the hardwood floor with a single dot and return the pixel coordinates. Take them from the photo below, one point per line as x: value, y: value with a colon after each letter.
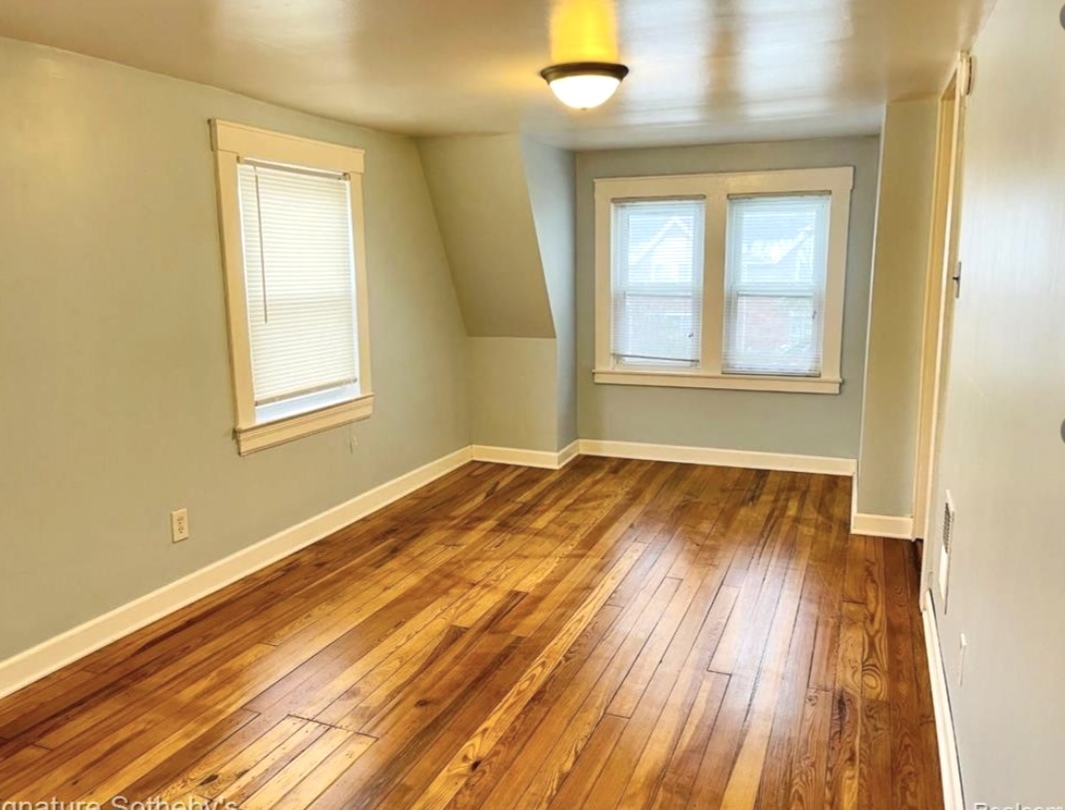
x: 618, y: 634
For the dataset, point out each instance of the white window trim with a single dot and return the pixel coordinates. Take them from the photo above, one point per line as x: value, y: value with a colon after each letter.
x: 716, y: 189
x: 231, y: 143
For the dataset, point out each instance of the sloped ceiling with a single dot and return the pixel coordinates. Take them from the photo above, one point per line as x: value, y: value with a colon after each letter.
x: 551, y: 176
x: 479, y: 190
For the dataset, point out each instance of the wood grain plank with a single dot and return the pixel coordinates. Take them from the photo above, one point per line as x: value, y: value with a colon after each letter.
x: 319, y: 776
x: 908, y: 789
x: 844, y: 746
x: 480, y: 743
x: 806, y: 788
x: 680, y: 772
x: 551, y: 750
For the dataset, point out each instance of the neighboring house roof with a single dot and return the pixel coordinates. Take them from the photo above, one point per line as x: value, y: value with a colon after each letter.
x: 680, y: 225
x: 799, y: 241
x: 672, y: 224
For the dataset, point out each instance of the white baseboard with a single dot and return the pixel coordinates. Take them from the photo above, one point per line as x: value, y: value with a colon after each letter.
x: 877, y: 525
x: 949, y: 765
x: 882, y: 526
x: 784, y: 462
x: 543, y: 459
x: 45, y: 658
x: 568, y: 453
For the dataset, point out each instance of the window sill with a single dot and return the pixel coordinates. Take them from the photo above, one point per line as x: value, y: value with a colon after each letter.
x: 270, y: 434
x: 733, y: 382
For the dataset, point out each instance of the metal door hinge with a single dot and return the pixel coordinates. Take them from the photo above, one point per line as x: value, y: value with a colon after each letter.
x: 965, y: 74
x: 956, y: 278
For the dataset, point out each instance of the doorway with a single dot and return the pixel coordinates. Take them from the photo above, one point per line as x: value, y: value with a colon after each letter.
x: 943, y: 288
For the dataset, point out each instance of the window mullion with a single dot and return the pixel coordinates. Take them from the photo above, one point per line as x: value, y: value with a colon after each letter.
x: 713, y: 261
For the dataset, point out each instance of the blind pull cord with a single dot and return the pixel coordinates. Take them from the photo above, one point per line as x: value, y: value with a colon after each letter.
x: 262, y: 245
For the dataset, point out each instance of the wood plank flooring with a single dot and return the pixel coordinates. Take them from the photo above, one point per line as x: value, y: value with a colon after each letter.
x: 619, y: 634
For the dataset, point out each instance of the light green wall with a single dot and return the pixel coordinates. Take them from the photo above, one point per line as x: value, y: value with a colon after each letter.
x: 809, y: 424
x: 900, y: 270
x: 551, y: 177
x: 482, y: 204
x: 116, y: 388
x: 1003, y: 459
x: 505, y: 208
x: 513, y: 399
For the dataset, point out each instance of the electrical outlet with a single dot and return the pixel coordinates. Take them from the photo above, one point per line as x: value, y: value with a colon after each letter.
x: 179, y: 525
x: 946, y: 549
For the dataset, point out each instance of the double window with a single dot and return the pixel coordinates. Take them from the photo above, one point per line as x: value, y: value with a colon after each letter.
x: 291, y: 212
x: 722, y: 280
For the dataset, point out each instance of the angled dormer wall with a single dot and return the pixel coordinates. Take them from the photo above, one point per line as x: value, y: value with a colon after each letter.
x: 504, y: 206
x: 552, y: 181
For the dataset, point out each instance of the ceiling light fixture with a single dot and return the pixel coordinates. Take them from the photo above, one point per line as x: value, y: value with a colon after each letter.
x: 583, y: 85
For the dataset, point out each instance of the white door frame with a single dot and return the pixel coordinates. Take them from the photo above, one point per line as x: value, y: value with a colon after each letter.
x: 940, y: 288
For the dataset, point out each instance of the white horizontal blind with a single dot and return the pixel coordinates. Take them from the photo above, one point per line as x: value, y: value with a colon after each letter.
x: 657, y: 277
x: 300, y: 282
x: 775, y: 274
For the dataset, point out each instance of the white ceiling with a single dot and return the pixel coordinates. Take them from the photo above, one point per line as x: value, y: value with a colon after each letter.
x: 702, y: 70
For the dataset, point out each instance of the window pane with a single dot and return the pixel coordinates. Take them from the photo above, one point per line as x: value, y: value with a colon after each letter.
x: 774, y: 335
x: 776, y: 264
x: 299, y: 280
x: 657, y: 282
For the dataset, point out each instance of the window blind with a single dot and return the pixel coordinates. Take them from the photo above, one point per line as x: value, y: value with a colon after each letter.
x: 299, y: 280
x: 657, y: 282
x: 775, y: 273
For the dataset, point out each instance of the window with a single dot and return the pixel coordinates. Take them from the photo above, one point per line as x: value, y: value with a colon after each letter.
x: 775, y: 270
x: 657, y: 284
x: 291, y: 213
x: 722, y: 280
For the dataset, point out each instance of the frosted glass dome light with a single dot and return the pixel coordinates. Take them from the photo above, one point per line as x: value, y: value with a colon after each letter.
x: 584, y: 85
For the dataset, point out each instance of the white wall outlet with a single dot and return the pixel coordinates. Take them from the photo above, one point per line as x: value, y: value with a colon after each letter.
x: 179, y: 525
x: 946, y: 549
